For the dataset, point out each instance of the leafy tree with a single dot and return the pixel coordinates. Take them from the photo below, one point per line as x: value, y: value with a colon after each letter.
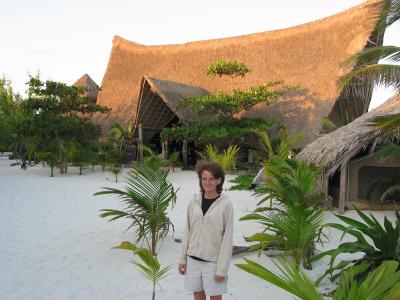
x: 224, y: 104
x: 213, y: 130
x: 11, y: 117
x: 57, y: 120
x: 226, y: 67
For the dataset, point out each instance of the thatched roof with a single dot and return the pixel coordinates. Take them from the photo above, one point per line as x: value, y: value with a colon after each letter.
x: 158, y: 101
x: 331, y: 150
x: 310, y: 56
x: 91, y: 88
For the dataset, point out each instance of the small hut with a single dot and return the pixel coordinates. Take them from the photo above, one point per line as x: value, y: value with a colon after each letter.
x: 91, y: 88
x: 157, y: 104
x: 349, y: 166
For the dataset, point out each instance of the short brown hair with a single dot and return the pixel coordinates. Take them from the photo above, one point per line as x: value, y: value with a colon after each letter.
x: 215, y: 169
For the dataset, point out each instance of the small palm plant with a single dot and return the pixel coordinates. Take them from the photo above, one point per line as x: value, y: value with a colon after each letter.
x: 150, y: 268
x: 381, y: 284
x: 296, y: 223
x: 116, y: 170
x: 147, y: 197
x: 227, y: 159
x: 174, y: 160
x: 383, y: 243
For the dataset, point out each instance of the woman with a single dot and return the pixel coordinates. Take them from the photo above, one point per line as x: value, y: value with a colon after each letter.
x: 207, y: 239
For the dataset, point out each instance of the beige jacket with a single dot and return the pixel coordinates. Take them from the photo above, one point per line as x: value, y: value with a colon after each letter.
x: 209, y: 237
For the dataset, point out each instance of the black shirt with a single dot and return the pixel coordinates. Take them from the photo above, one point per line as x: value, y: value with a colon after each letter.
x: 205, y: 205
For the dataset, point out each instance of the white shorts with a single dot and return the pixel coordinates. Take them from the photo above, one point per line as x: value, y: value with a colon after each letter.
x: 200, y: 277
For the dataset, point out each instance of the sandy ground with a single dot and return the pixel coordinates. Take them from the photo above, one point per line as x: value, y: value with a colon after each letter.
x: 54, y: 245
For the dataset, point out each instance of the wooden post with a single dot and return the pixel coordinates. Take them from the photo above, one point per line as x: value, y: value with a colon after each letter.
x: 140, y: 143
x: 343, y: 187
x: 164, y: 149
x: 250, y: 157
x: 185, y: 154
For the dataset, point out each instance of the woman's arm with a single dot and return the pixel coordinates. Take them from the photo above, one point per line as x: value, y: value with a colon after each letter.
x: 225, y: 252
x: 185, y: 237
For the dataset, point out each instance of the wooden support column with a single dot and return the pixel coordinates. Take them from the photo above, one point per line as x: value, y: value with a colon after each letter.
x: 250, y: 157
x: 140, y: 143
x: 164, y: 149
x: 185, y: 154
x: 343, y: 186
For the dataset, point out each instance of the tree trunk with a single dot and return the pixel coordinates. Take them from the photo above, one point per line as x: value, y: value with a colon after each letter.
x: 51, y: 171
x: 185, y: 154
x: 80, y: 170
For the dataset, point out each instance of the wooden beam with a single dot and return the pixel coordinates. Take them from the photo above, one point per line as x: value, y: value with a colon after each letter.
x: 140, y: 143
x: 343, y: 186
x: 185, y: 154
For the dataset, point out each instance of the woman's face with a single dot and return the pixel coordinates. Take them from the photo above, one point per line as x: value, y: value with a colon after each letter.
x: 208, y: 181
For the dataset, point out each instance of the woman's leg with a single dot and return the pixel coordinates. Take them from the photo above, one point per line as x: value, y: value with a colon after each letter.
x: 219, y: 297
x: 199, y: 295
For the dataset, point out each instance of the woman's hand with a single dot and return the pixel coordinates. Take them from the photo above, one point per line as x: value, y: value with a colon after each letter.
x: 182, y: 269
x: 219, y: 278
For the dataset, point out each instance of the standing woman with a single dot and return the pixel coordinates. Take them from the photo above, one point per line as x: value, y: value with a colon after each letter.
x: 207, y: 239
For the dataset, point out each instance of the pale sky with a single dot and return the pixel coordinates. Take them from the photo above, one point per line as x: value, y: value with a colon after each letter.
x: 65, y: 39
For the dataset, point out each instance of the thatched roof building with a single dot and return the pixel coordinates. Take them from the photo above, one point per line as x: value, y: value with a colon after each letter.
x: 310, y: 56
x: 157, y: 103
x: 335, y: 152
x: 91, y: 88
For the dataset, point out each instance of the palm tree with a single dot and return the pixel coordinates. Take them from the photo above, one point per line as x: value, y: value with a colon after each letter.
x: 227, y: 159
x: 150, y: 268
x: 147, y: 197
x: 295, y: 223
x: 367, y: 71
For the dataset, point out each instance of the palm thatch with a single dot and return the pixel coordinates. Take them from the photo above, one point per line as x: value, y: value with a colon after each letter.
x: 343, y: 147
x: 91, y: 88
x: 340, y: 146
x: 158, y: 100
x: 310, y: 56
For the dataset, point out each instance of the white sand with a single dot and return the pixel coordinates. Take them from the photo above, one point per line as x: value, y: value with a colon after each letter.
x: 54, y: 245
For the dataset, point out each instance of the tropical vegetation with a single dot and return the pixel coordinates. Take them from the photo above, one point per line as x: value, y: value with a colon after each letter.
x: 146, y: 198
x: 383, y: 283
x: 295, y: 223
x: 150, y: 266
x: 377, y: 243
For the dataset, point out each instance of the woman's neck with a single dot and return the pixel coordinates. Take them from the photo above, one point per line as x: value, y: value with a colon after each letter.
x: 211, y: 194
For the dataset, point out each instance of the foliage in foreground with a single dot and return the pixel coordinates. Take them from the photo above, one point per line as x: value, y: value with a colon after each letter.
x: 381, y: 284
x: 383, y: 242
x: 296, y: 222
x: 150, y: 268
x: 147, y: 197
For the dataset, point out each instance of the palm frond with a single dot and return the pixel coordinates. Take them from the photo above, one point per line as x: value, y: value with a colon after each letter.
x: 373, y: 54
x: 361, y: 79
x: 292, y: 279
x: 146, y: 196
